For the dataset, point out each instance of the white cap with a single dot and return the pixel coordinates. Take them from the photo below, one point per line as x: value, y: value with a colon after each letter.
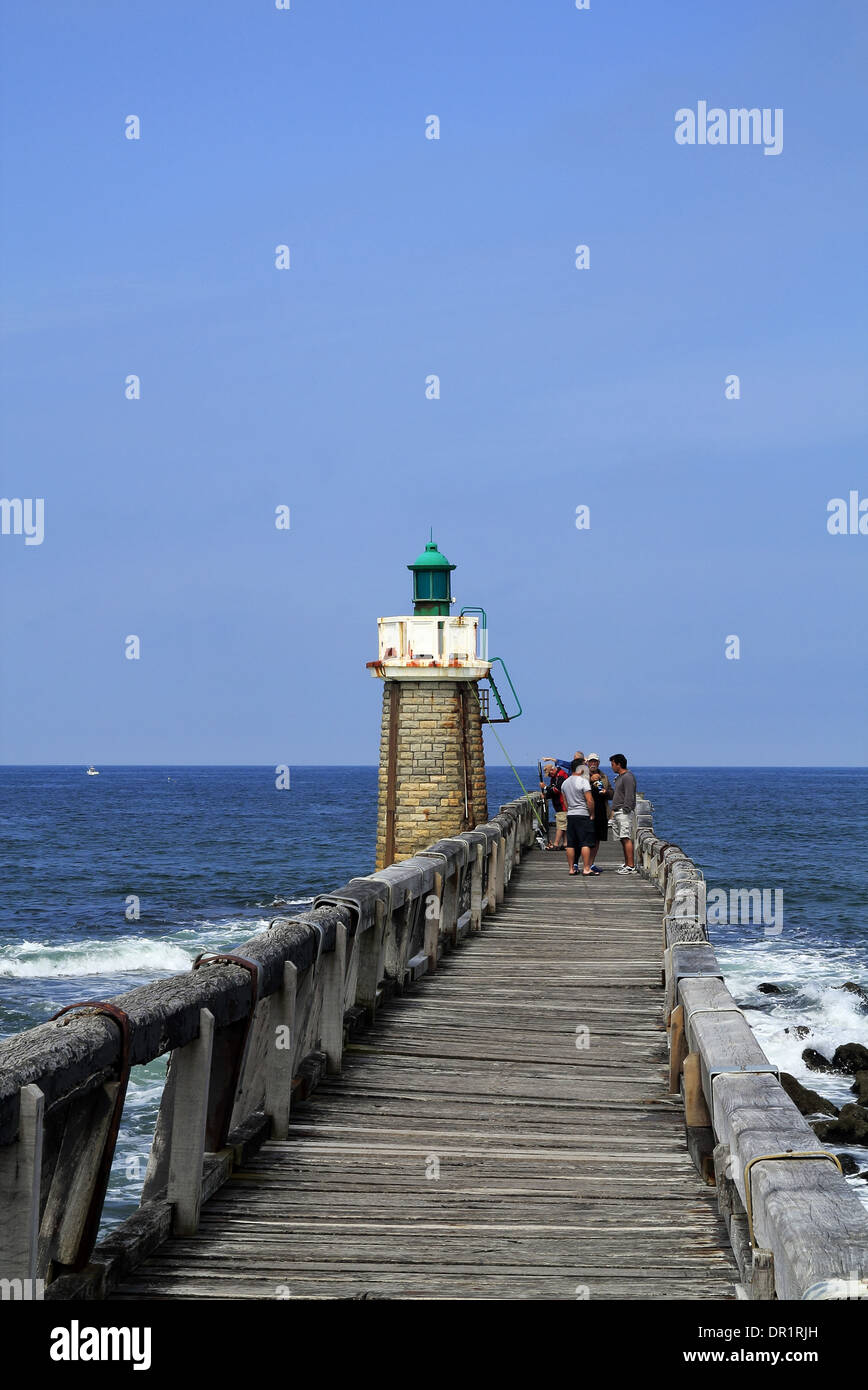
x: 593, y: 757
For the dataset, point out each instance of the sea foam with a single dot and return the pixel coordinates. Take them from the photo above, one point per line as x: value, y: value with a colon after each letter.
x: 34, y: 960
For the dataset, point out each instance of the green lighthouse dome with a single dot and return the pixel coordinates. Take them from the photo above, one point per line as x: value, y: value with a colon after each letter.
x: 432, y: 583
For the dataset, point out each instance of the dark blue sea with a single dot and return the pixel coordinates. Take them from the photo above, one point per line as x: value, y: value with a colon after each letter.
x: 212, y: 854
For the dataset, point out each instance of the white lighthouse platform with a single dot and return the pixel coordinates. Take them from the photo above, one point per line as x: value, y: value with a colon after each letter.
x: 433, y: 648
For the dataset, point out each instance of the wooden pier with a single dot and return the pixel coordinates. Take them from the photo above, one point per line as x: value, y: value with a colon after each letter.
x: 466, y: 1076
x: 503, y: 1132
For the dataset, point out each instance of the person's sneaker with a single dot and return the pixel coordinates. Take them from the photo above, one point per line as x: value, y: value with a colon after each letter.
x: 625, y: 870
x: 595, y: 870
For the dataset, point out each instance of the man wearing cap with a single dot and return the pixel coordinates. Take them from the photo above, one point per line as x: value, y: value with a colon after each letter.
x: 553, y: 793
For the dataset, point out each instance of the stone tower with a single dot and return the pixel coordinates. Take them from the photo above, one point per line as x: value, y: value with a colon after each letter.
x: 432, y: 764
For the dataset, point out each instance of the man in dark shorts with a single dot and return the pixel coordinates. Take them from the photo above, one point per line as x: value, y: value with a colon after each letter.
x: 581, y: 840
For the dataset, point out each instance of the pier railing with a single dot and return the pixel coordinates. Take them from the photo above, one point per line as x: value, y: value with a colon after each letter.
x: 249, y: 1031
x: 798, y: 1231
x: 246, y: 1032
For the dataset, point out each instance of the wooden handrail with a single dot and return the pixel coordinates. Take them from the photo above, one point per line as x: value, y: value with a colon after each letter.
x: 794, y: 1223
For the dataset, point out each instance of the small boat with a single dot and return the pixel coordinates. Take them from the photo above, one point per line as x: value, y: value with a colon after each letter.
x: 92, y: 772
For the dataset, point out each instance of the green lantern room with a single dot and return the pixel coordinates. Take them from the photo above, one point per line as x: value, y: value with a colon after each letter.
x: 432, y: 583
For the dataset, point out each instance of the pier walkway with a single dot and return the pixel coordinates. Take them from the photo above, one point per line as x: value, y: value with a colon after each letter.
x: 465, y: 1076
x: 504, y: 1131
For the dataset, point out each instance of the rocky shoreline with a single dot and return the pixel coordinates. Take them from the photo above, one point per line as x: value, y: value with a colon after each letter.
x: 847, y: 1124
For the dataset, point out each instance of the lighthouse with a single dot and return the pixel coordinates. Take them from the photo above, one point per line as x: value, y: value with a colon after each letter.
x: 432, y: 763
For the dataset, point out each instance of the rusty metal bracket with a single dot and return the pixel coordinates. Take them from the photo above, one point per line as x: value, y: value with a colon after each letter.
x: 226, y: 957
x: 219, y: 957
x: 90, y: 1228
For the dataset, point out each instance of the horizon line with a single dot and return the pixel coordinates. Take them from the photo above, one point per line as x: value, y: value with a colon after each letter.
x: 723, y: 767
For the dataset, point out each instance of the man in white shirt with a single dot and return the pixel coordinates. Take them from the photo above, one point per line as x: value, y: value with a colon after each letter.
x: 576, y: 791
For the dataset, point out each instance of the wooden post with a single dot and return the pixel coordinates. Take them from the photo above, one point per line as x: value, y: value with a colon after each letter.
x: 68, y: 1203
x: 506, y: 864
x: 723, y: 1181
x: 739, y: 1238
x: 762, y: 1275
x: 193, y: 1064
x: 20, y: 1173
x: 332, y: 1016
x: 476, y: 872
x: 396, y: 931
x: 281, y: 1047
x: 491, y: 889
x: 695, y: 1109
x: 677, y: 1048
x: 697, y: 1122
x: 432, y: 923
x: 449, y: 904
x: 371, y: 946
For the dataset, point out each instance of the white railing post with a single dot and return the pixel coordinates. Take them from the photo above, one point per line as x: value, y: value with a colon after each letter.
x: 332, y: 1026
x: 281, y: 1049
x: 190, y: 1113
x: 20, y: 1173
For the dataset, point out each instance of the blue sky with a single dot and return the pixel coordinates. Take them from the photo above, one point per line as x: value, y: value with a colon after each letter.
x: 409, y: 257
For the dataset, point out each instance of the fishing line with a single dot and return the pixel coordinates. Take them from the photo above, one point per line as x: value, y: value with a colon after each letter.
x: 543, y: 828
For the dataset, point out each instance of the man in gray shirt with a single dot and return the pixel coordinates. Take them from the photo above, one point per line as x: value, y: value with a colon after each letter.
x: 576, y: 791
x: 623, y: 806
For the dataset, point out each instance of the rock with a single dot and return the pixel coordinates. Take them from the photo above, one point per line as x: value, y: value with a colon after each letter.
x: 859, y: 990
x: 850, y: 1058
x: 855, y: 1117
x: 815, y: 1061
x: 848, y: 1165
x: 770, y: 989
x: 851, y: 1126
x: 808, y: 1102
x: 860, y: 1086
x: 801, y: 1030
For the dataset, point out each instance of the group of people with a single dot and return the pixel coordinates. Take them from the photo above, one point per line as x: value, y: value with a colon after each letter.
x: 586, y: 805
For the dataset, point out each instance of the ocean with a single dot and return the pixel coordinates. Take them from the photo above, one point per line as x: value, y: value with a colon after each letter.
x: 109, y: 882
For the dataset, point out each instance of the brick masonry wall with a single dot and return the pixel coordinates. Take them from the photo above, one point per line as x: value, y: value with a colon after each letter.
x: 436, y: 721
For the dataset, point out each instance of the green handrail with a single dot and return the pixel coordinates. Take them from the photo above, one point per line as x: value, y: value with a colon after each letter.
x: 483, y: 629
x: 491, y: 661
x: 506, y: 716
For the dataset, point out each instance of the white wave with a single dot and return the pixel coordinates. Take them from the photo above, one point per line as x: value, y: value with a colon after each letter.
x: 131, y: 954
x: 813, y: 1000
